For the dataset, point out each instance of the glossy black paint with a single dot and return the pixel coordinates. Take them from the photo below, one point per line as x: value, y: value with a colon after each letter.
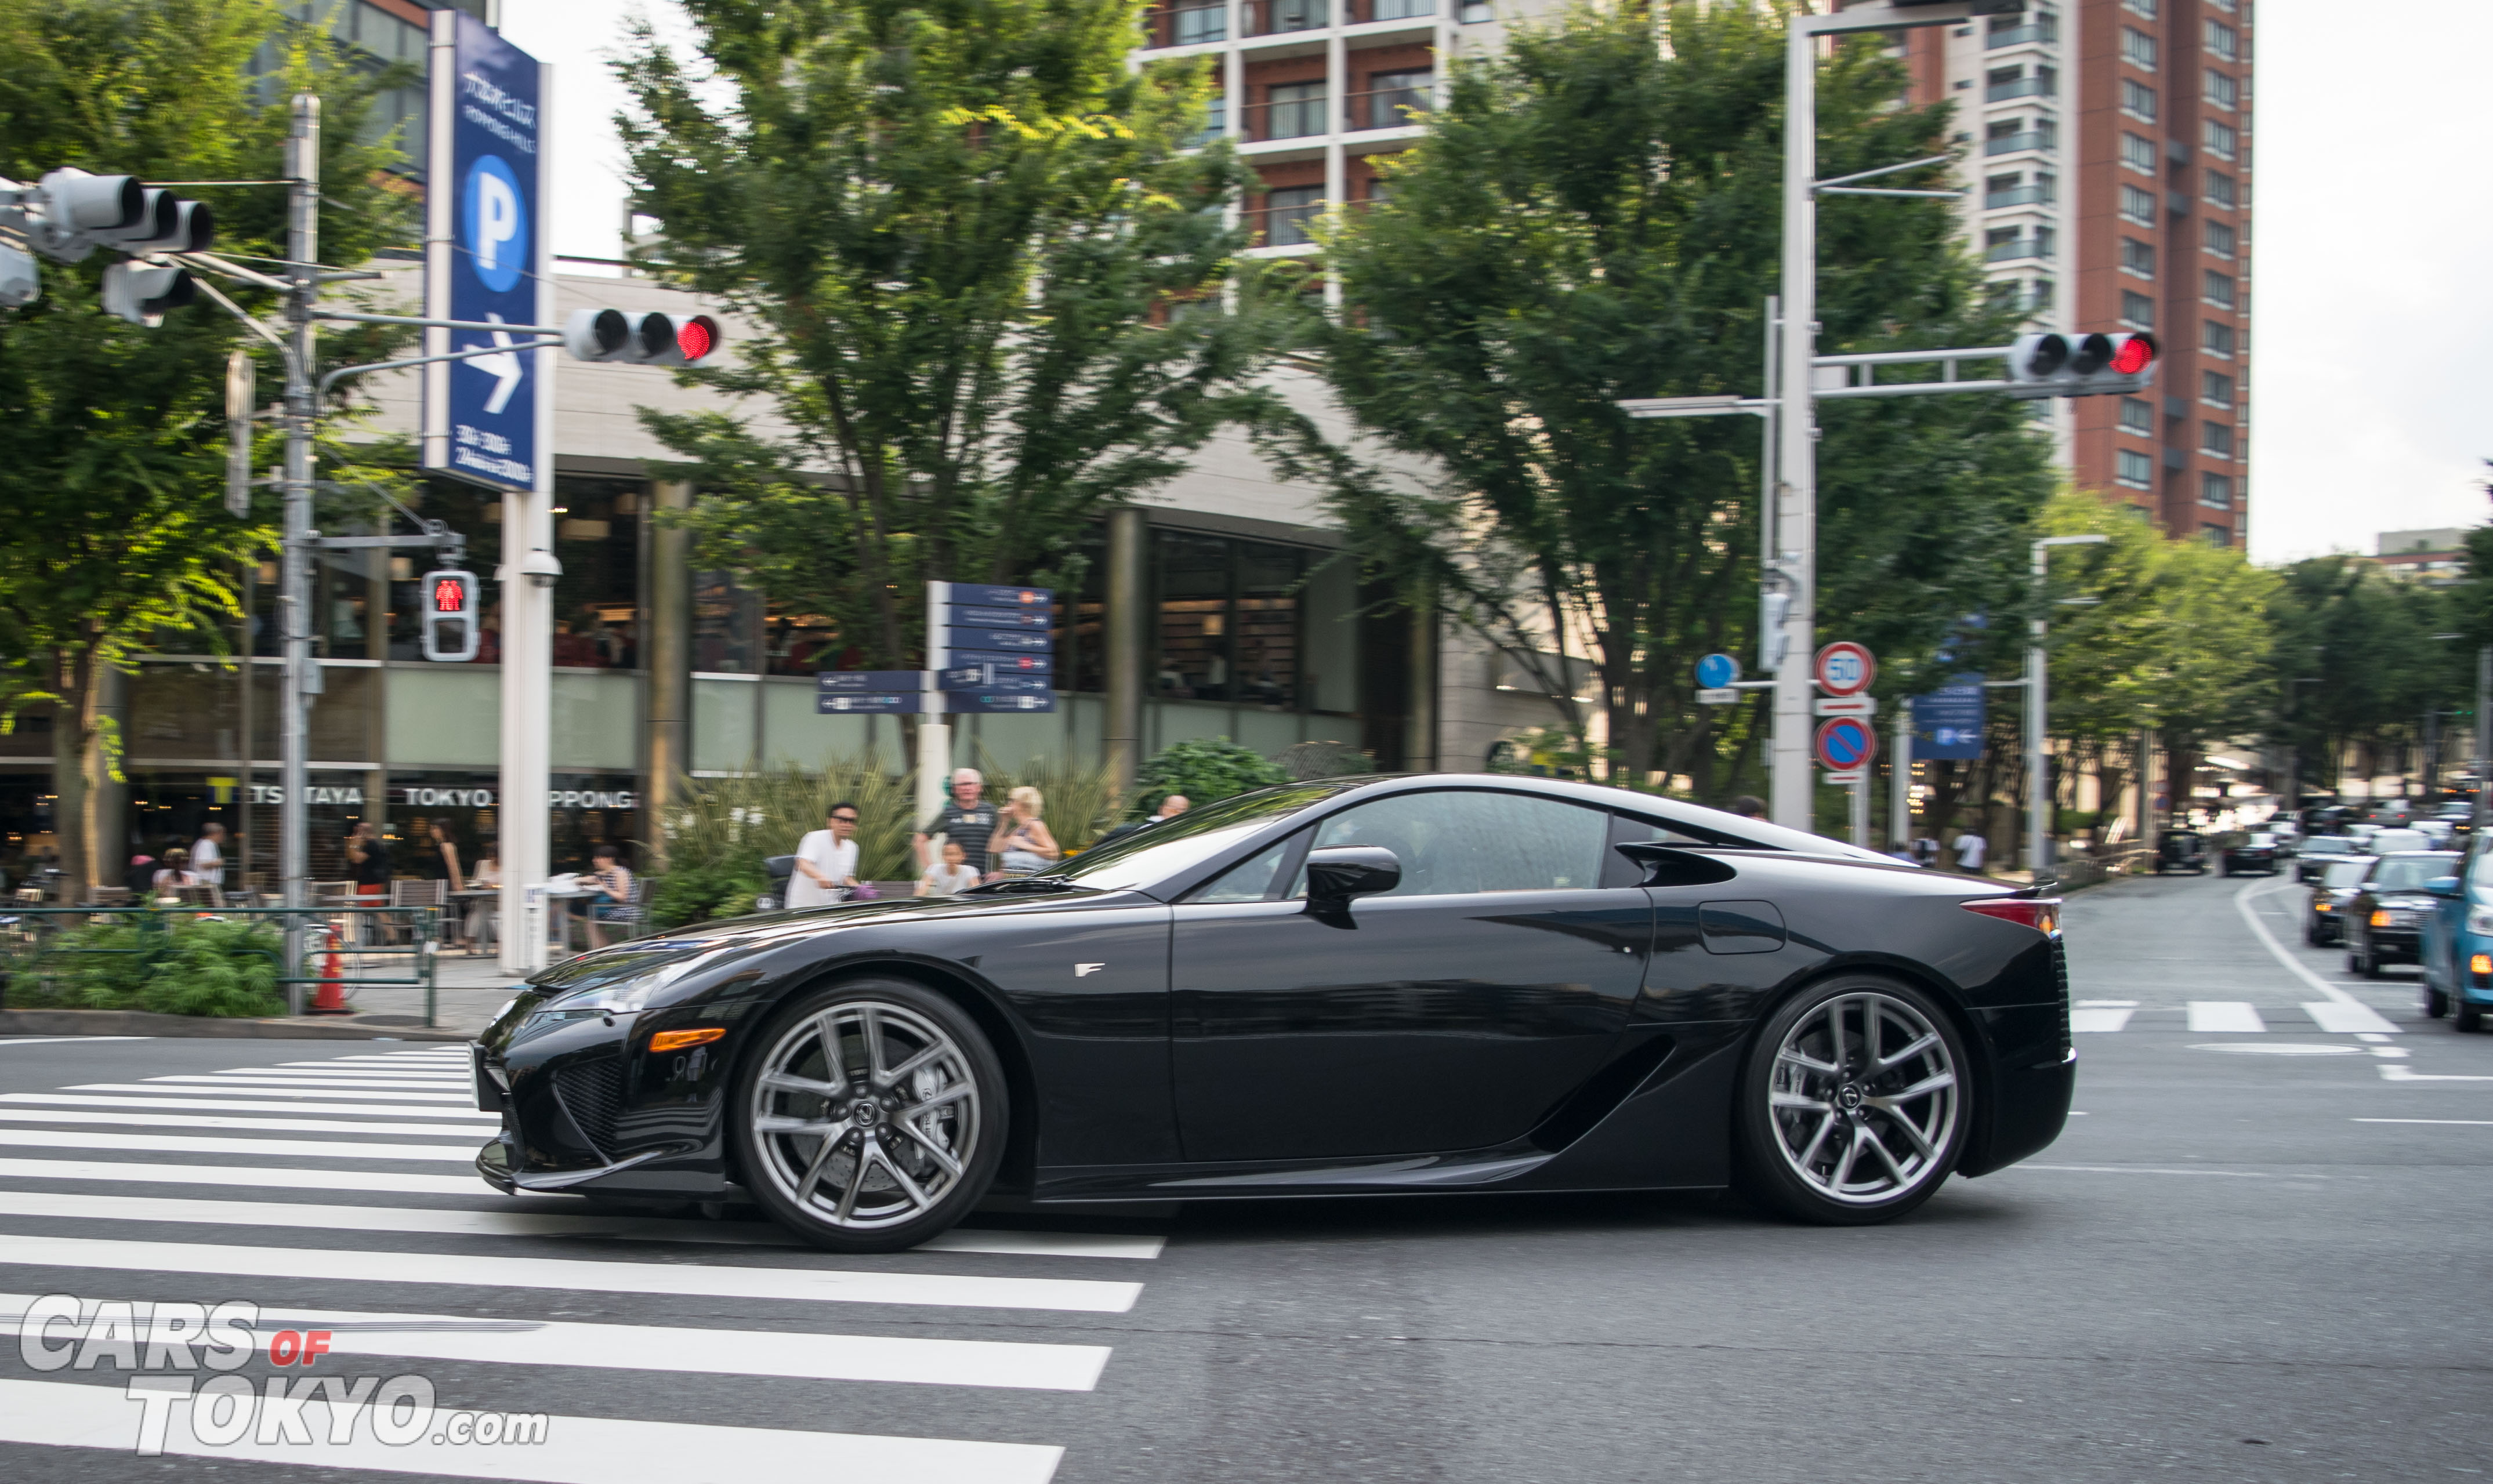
x: 1571, y: 1039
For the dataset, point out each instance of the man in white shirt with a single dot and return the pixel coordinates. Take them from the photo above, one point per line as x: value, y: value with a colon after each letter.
x: 1970, y: 847
x: 826, y: 860
x: 208, y: 855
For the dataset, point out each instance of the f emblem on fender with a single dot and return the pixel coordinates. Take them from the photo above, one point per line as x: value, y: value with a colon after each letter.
x: 1086, y: 970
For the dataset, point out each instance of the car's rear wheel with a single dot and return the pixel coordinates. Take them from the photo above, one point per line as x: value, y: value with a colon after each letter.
x: 1853, y: 1105
x: 871, y: 1118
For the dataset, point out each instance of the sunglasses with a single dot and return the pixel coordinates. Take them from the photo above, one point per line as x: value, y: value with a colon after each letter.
x: 844, y: 819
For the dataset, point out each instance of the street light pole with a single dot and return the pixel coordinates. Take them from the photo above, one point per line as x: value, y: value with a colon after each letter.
x: 2483, y: 726
x: 2038, y: 710
x: 295, y: 617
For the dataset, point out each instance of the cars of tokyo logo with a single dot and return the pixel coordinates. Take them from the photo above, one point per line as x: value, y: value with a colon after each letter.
x: 494, y: 225
x: 181, y: 1360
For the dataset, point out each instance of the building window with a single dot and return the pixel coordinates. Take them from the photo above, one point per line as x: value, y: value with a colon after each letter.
x: 1215, y: 120
x: 2007, y: 137
x: 2220, y: 190
x: 2137, y: 310
x: 2138, y: 416
x: 2217, y: 491
x: 2005, y: 190
x: 2146, y: 8
x: 1393, y: 98
x: 2224, y: 41
x: 2220, y: 289
x: 2138, y: 152
x: 2009, y: 243
x: 2216, y: 388
x: 2044, y: 27
x: 2137, y: 205
x: 2137, y: 47
x: 2042, y: 296
x: 2217, y: 338
x: 1198, y: 23
x: 1287, y: 212
x: 2224, y: 141
x: 2220, y: 239
x: 2133, y: 468
x: 2004, y: 83
x: 2136, y: 258
x: 1297, y: 111
x: 2216, y: 438
x: 2137, y: 99
x: 2224, y: 90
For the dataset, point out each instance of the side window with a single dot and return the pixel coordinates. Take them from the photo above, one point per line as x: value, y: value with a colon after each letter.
x: 1250, y: 879
x: 1475, y: 840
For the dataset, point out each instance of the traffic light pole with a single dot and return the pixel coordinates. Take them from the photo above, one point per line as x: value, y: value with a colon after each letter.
x: 294, y: 600
x: 2038, y: 708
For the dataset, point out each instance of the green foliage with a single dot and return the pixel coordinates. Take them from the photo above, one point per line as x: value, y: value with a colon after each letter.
x: 1593, y: 217
x: 1203, y: 769
x: 720, y: 839
x: 2354, y: 660
x: 204, y: 968
x: 961, y: 234
x: 707, y: 892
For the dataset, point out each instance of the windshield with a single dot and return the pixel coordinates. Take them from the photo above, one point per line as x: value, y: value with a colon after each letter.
x: 2344, y: 876
x: 2409, y: 873
x: 1156, y: 852
x: 2327, y: 844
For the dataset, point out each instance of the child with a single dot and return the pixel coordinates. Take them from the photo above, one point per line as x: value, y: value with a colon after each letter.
x: 953, y: 877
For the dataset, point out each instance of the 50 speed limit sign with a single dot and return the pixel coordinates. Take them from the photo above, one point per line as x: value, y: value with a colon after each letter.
x: 1846, y: 669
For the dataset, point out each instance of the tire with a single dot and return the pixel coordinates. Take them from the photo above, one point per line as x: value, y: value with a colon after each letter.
x: 879, y: 1181
x: 2224, y: 868
x: 2354, y: 960
x: 1907, y: 1122
x: 2464, y: 1018
x: 2311, y: 933
x: 2370, y: 967
x: 2435, y: 1004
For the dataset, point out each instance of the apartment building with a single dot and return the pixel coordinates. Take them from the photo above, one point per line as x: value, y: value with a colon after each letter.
x: 2108, y: 185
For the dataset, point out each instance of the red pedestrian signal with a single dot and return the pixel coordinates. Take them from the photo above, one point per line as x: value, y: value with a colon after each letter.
x: 450, y: 616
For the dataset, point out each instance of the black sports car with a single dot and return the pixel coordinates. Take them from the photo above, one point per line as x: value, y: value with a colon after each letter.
x: 1369, y: 985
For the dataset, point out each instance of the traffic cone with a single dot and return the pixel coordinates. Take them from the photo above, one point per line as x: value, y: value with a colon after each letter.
x: 332, y: 998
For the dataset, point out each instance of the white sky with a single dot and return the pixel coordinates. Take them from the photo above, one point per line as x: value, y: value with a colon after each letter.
x: 2370, y: 312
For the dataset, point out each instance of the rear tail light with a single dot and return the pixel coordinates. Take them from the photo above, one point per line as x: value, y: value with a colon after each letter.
x: 2040, y: 913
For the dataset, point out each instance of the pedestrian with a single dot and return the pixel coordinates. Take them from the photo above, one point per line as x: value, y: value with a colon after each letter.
x: 951, y: 878
x: 1970, y: 848
x: 480, y: 910
x: 368, y: 861
x: 173, y: 871
x: 1022, y: 844
x: 967, y: 818
x: 208, y: 854
x: 1749, y: 806
x: 610, y: 892
x: 437, y: 854
x: 827, y: 859
x: 141, y: 878
x: 1170, y: 808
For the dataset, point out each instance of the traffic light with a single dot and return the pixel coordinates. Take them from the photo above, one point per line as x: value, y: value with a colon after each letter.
x: 142, y: 294
x: 450, y: 616
x: 639, y: 340
x: 2048, y: 364
x: 165, y: 223
x: 20, y: 281
x: 70, y: 207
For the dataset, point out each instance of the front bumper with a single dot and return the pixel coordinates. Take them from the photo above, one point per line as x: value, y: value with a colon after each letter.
x: 586, y: 1109
x: 2397, y: 945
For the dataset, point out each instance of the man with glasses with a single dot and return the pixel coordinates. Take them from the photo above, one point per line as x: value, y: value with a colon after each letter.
x: 826, y: 860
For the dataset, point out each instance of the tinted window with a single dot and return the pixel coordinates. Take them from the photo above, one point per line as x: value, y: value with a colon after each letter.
x: 1250, y: 879
x: 1199, y: 835
x: 2327, y: 844
x: 2409, y: 873
x: 1470, y: 841
x: 2343, y: 876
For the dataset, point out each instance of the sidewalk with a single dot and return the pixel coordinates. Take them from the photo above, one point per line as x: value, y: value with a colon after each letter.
x: 466, y: 992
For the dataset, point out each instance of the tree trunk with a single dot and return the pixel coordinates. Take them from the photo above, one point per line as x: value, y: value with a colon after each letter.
x: 78, y: 774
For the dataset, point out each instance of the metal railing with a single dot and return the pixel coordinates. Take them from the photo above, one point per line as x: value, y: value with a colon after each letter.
x: 2010, y: 251
x: 2014, y: 36
x: 2011, y: 143
x: 32, y: 946
x: 1287, y: 118
x: 1185, y: 25
x: 1383, y: 108
x: 2020, y: 87
x: 2019, y: 196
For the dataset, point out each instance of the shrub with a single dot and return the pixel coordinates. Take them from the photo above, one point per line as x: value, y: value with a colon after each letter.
x: 1203, y: 769
x: 181, y: 966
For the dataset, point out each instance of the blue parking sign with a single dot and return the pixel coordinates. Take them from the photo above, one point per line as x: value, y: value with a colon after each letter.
x: 487, y: 262
x: 1948, y: 721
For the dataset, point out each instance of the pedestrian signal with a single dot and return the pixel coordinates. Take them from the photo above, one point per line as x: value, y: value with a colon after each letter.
x: 450, y: 616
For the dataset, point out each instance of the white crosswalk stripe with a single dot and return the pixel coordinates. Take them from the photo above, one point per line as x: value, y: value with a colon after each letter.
x: 2100, y: 1017
x: 174, y: 1187
x: 2224, y: 1015
x: 2105, y: 1017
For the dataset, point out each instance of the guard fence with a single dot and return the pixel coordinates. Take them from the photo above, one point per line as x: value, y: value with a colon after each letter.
x: 43, y: 947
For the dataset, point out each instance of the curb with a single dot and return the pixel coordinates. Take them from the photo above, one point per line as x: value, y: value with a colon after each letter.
x: 143, y: 1023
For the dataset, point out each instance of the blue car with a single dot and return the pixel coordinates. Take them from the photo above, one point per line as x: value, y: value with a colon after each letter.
x: 2457, y: 950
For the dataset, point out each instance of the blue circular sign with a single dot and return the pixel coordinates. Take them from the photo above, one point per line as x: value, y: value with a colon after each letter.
x: 1717, y: 671
x: 1845, y: 743
x: 494, y: 223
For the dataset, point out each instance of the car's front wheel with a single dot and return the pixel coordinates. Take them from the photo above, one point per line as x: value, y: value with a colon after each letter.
x: 2464, y: 1016
x: 2435, y: 1004
x: 872, y: 1117
x: 1854, y: 1102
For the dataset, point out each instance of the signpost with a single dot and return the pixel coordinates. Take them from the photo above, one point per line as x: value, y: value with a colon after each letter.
x: 1948, y: 721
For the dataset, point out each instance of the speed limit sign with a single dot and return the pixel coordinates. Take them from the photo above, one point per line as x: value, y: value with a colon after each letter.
x: 1846, y: 669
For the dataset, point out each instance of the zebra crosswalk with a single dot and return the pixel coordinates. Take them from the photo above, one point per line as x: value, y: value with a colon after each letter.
x: 139, y: 1198
x: 2227, y: 1016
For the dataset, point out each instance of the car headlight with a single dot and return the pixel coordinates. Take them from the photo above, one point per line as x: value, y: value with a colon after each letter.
x: 622, y: 997
x: 2479, y: 920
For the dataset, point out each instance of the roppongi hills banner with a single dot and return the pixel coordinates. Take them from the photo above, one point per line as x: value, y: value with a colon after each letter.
x: 487, y: 257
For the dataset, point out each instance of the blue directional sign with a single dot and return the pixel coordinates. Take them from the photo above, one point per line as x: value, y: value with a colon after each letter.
x: 990, y: 703
x: 1040, y: 600
x: 1005, y: 662
x: 991, y: 647
x: 1948, y: 721
x: 983, y: 677
x: 1020, y: 641
x: 966, y: 615
x: 840, y: 703
x: 1717, y: 671
x: 484, y: 428
x: 855, y: 682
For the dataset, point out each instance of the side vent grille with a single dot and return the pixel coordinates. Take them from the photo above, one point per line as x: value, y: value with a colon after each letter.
x: 592, y: 1092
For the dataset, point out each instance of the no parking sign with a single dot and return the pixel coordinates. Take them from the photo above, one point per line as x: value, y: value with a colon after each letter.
x: 1846, y: 744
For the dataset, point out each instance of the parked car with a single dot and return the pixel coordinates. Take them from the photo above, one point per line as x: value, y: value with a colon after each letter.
x: 2384, y: 921
x: 2181, y: 850
x: 2258, y: 850
x: 2323, y: 913
x: 2319, y: 852
x: 2458, y: 944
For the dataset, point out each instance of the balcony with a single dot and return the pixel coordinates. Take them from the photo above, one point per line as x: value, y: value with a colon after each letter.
x: 2013, y: 251
x: 2011, y: 143
x: 1284, y: 17
x: 2018, y: 87
x: 2018, y: 36
x: 1294, y: 118
x: 1281, y: 227
x: 1186, y: 25
x: 1383, y: 108
x: 2019, y: 196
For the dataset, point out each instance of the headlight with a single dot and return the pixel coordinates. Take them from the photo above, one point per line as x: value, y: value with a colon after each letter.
x: 2479, y: 920
x: 620, y: 998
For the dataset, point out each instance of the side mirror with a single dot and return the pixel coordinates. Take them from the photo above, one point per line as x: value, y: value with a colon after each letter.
x: 1336, y: 873
x: 2442, y: 886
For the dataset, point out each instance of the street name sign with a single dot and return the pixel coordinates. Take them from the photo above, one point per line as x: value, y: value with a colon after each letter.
x: 1948, y: 721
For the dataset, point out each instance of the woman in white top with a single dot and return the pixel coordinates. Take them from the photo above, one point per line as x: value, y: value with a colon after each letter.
x: 1022, y: 844
x: 826, y: 860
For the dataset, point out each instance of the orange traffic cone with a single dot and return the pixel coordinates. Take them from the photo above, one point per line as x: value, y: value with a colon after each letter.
x: 332, y: 998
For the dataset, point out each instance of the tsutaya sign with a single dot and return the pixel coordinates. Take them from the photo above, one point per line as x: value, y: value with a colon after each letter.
x: 456, y: 798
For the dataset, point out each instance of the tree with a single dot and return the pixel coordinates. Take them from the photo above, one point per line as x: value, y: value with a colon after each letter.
x: 2356, y: 663
x: 111, y: 458
x: 1596, y: 216
x: 985, y: 280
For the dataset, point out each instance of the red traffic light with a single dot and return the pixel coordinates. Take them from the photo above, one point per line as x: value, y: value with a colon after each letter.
x: 2135, y: 354
x: 696, y: 337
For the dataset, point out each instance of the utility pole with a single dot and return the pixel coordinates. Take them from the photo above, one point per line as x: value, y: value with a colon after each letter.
x: 2038, y: 709
x: 1900, y: 780
x: 2483, y: 727
x: 294, y: 614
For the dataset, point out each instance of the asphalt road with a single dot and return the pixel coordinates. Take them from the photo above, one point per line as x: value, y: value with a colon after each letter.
x: 2223, y: 1272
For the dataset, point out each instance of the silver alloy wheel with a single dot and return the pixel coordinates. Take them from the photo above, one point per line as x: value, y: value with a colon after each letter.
x: 865, y: 1115
x: 1864, y: 1098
